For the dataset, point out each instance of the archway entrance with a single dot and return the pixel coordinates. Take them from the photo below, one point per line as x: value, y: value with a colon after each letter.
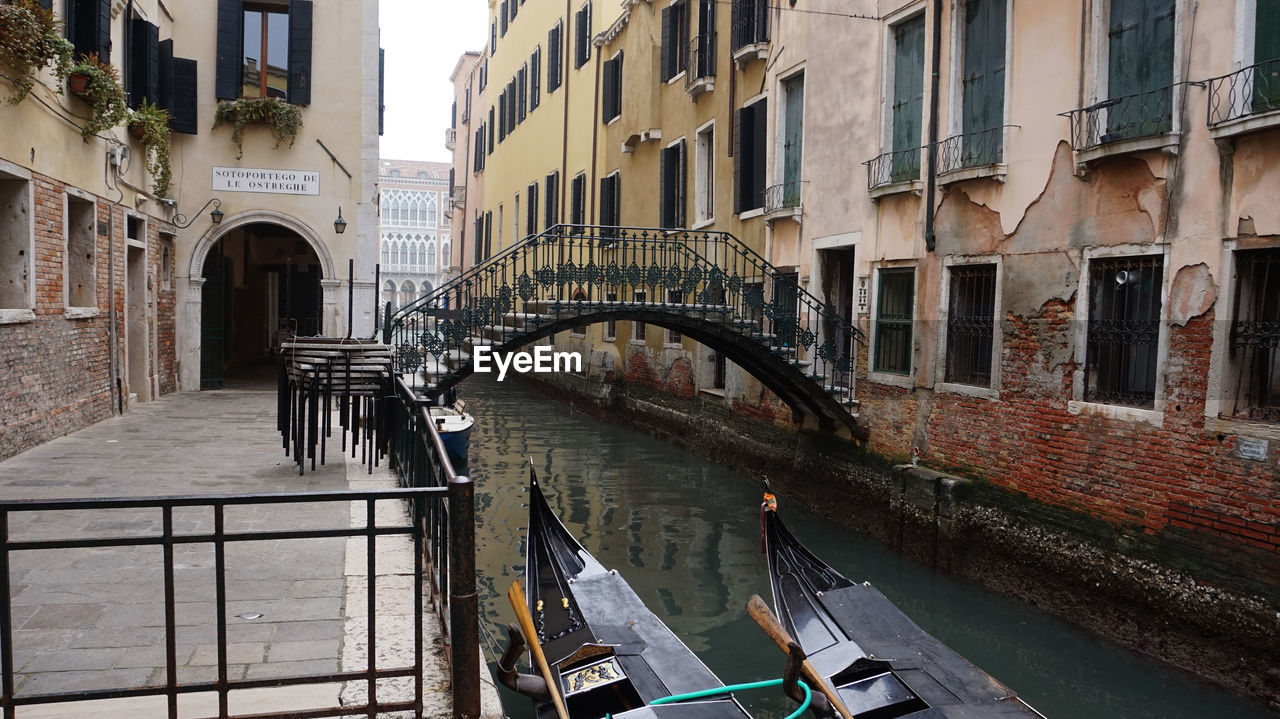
x: 262, y: 286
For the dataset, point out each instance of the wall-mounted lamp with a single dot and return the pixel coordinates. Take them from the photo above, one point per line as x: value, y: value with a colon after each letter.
x: 180, y: 220
x: 339, y: 225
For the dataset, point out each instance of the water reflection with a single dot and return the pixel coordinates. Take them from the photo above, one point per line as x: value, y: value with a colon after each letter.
x: 685, y: 533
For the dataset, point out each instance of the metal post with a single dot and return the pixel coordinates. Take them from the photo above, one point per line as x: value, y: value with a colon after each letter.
x: 6, y: 626
x: 464, y: 632
x: 351, y: 295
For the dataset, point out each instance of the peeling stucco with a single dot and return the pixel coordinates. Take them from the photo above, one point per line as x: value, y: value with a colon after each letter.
x: 1192, y: 293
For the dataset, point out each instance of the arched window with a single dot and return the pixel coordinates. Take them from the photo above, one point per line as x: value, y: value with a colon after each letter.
x: 446, y: 254
x: 389, y: 294
x: 408, y: 293
x: 432, y: 210
x: 404, y: 254
x: 413, y: 256
x: 431, y: 257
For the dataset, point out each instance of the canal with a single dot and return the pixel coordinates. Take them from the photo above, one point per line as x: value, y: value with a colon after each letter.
x: 685, y: 533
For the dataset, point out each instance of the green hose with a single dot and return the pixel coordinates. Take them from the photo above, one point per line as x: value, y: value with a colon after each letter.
x: 808, y: 694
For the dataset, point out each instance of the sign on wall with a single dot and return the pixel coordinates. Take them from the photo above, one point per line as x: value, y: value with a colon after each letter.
x: 276, y: 182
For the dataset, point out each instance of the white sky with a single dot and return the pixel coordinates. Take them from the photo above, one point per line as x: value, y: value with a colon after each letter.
x: 423, y: 40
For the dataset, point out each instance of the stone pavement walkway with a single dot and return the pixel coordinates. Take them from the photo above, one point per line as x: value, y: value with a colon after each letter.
x: 94, y: 618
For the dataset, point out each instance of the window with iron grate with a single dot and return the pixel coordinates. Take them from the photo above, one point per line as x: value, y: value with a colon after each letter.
x: 1123, y: 330
x: 1254, y: 366
x: 970, y: 324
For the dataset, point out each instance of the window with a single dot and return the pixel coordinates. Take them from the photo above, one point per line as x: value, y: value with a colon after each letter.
x: 1139, y: 68
x: 502, y: 115
x: 749, y: 129
x: 389, y: 294
x: 511, y: 106
x: 82, y: 253
x: 907, y: 109
x: 637, y: 328
x: 674, y: 297
x: 750, y: 23
x: 611, y: 326
x: 1255, y: 336
x: 1266, y: 56
x: 17, y: 249
x: 578, y: 200
x: 555, y: 48
x: 514, y: 7
x: 531, y: 211
x: 675, y: 39
x: 981, y: 82
x: 895, y: 309
x: 142, y: 67
x: 502, y: 19
x: 582, y: 36
x: 489, y: 145
x: 970, y: 324
x: 1123, y: 330
x: 610, y: 191
x: 552, y: 202
x: 431, y: 256
x: 611, y: 96
x: 671, y: 186
x: 88, y: 25
x: 478, y: 161
x: 704, y: 191
x: 702, y: 49
x: 792, y: 143
x: 493, y: 37
x: 535, y: 78
x: 264, y: 50
x: 408, y: 293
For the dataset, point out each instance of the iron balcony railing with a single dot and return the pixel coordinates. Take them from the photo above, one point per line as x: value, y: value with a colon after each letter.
x: 450, y: 138
x: 972, y: 149
x: 214, y: 529
x: 750, y: 23
x: 702, y: 58
x: 893, y: 167
x: 1253, y: 90
x: 566, y: 271
x: 1144, y: 114
x: 783, y: 196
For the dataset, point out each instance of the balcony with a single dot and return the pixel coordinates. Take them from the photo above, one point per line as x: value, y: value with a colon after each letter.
x: 1247, y: 100
x: 459, y: 196
x: 972, y: 155
x: 1143, y: 121
x: 783, y: 201
x: 700, y: 76
x: 894, y: 172
x: 750, y: 30
x: 450, y: 138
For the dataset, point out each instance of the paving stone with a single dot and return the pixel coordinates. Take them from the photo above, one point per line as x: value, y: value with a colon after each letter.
x: 67, y: 660
x: 64, y: 616
x: 237, y: 653
x: 152, y: 656
x: 299, y: 651
x: 306, y: 631
x: 56, y: 682
x: 288, y: 669
x: 117, y: 637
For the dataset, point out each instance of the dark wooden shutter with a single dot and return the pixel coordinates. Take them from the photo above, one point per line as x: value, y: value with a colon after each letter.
x: 144, y: 63
x: 668, y: 58
x: 553, y: 58
x: 664, y: 188
x: 582, y: 50
x: 165, y: 96
x: 488, y: 233
x: 908, y: 97
x: 230, y: 50
x: 609, y: 91
x: 522, y: 93
x: 300, y: 27
x: 502, y: 18
x: 103, y: 30
x: 184, y: 96
x: 489, y: 145
x: 382, y: 90
x: 577, y: 200
x: 759, y: 126
x: 741, y: 123
x: 535, y: 78
x: 681, y: 177
x: 606, y: 201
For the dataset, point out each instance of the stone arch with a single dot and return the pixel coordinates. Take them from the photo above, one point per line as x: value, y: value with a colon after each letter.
x: 215, y: 233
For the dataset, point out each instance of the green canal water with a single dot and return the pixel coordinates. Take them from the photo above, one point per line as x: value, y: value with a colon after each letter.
x: 685, y: 533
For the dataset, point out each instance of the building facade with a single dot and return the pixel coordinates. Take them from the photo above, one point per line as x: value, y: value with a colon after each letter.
x: 415, y: 214
x: 118, y: 288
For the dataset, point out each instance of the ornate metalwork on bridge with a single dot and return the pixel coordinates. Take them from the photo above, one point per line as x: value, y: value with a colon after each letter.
x: 708, y: 286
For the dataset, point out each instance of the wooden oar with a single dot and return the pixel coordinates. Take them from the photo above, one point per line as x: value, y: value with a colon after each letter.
x: 763, y: 616
x: 516, y: 595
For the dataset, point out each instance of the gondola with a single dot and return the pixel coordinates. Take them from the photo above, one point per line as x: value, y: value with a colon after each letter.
x: 870, y: 659
x: 599, y: 651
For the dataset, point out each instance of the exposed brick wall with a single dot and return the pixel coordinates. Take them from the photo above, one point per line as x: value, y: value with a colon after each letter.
x: 55, y: 372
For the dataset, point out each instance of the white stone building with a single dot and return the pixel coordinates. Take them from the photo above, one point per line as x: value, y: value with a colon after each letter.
x: 415, y: 210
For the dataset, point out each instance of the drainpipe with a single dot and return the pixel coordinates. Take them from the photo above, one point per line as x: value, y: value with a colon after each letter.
x: 595, y: 132
x: 931, y: 184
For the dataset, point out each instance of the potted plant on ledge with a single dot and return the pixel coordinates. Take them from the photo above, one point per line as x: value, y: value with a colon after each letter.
x: 285, y: 119
x: 101, y: 90
x: 30, y: 39
x: 150, y: 125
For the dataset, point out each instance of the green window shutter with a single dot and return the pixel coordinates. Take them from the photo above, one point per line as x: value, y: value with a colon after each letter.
x: 681, y: 173
x: 230, y: 50
x: 609, y: 89
x: 164, y: 97
x: 741, y: 124
x: 759, y: 127
x: 300, y: 26
x: 102, y: 42
x: 983, y: 80
x: 553, y: 58
x: 908, y: 97
x: 1140, y: 68
x: 184, y: 96
x: 668, y: 56
x: 1266, y: 55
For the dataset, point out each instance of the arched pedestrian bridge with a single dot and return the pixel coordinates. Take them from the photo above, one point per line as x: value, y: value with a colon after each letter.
x: 707, y: 286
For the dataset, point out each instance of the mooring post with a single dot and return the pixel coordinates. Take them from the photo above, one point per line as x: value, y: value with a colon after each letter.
x: 464, y: 629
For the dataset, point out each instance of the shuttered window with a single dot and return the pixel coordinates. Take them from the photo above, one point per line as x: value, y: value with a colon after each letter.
x: 582, y: 36
x: 1140, y: 68
x: 522, y: 93
x: 531, y: 210
x: 88, y: 26
x: 578, y: 201
x: 908, y: 98
x: 535, y: 78
x: 611, y: 94
x: 554, y: 51
x: 264, y: 51
x: 502, y: 115
x: 749, y: 126
x: 609, y: 200
x: 551, y: 216
x: 675, y: 39
x: 1266, y: 55
x: 672, y: 186
x: 982, y: 82
x: 182, y: 113
x: 489, y: 145
x: 142, y: 66
x: 502, y: 19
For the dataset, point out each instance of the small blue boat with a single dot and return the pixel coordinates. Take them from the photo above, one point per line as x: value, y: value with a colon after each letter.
x: 454, y: 425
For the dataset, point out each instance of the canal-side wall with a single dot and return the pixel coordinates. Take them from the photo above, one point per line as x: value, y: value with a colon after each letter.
x: 1062, y: 560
